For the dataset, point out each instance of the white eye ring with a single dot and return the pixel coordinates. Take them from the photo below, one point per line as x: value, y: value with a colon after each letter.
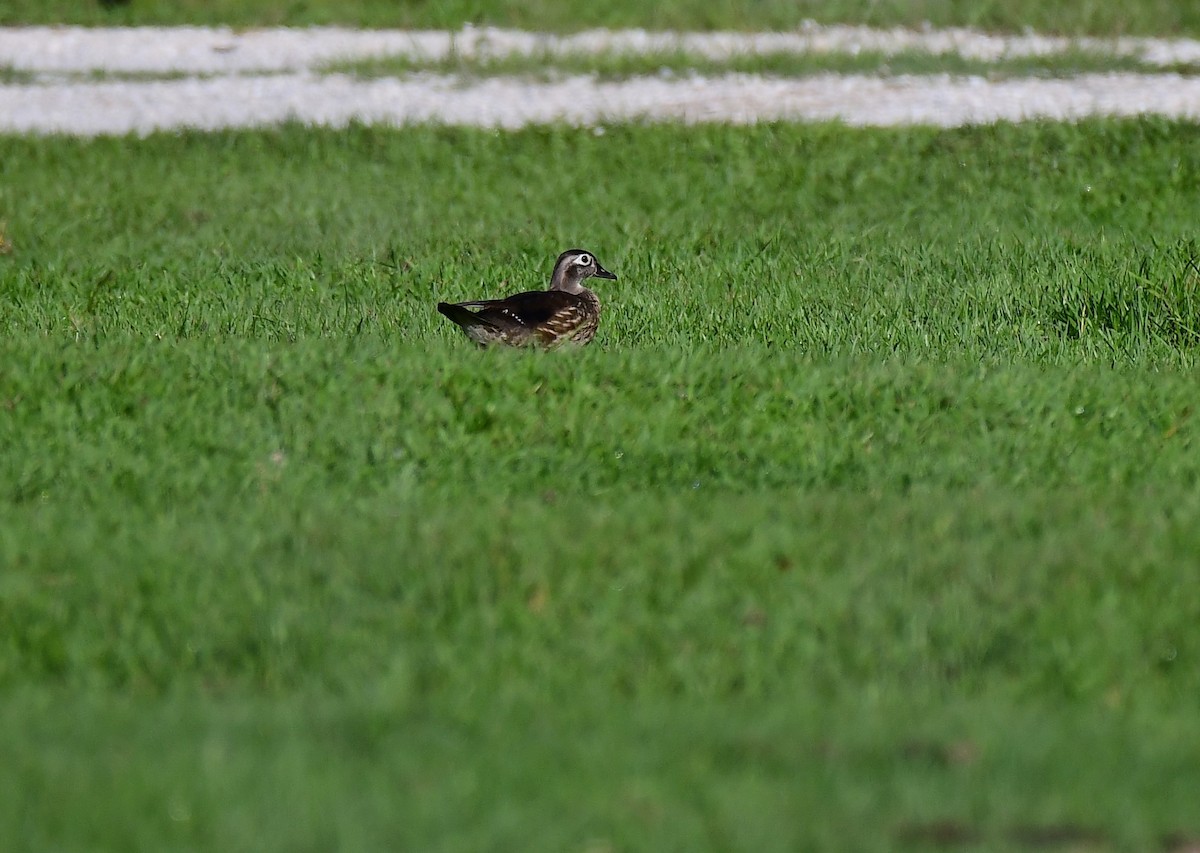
x: 584, y: 260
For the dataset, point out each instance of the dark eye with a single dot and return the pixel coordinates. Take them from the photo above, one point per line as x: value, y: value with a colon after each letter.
x: 584, y: 260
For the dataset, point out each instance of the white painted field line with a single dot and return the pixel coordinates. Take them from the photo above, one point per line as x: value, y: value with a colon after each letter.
x: 218, y: 50
x: 335, y: 100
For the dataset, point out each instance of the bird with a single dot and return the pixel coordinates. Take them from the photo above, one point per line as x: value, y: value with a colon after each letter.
x: 566, y: 312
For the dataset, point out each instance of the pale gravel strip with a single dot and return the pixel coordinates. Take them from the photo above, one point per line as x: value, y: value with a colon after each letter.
x: 219, y: 50
x: 335, y: 100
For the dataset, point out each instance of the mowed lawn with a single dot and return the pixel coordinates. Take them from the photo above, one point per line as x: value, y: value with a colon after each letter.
x: 868, y: 522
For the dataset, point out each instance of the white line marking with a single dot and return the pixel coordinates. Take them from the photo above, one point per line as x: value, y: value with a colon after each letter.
x: 220, y: 50
x: 123, y: 107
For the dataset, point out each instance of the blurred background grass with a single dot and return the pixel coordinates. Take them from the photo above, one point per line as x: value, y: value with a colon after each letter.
x: 1071, y: 17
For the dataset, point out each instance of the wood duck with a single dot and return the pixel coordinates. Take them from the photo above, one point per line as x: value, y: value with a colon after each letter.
x: 565, y: 313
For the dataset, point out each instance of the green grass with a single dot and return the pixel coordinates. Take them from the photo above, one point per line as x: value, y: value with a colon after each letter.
x: 625, y: 65
x: 14, y: 76
x: 873, y: 503
x: 1155, y: 17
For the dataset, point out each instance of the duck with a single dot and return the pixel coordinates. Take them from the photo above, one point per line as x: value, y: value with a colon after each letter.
x: 565, y: 313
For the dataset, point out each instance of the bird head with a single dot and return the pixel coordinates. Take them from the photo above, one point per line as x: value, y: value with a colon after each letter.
x: 575, y: 266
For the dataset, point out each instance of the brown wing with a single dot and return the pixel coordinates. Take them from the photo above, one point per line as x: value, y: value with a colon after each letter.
x: 531, y: 309
x: 545, y: 316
